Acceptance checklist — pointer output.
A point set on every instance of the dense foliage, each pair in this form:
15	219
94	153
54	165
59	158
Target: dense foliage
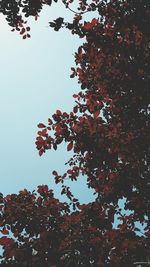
108	133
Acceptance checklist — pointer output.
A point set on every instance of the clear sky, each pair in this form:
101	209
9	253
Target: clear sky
34	83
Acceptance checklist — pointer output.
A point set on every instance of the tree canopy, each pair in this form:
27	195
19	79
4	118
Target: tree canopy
108	132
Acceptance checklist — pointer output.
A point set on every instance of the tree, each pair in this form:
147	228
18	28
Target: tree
108	132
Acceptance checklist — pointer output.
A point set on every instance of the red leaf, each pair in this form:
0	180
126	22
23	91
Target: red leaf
43	132
4	241
94	22
69	171
90	25
42	188
41	152
69	146
75	109
50	122
54	173
58	112
75	96
41	125
22	31
5	232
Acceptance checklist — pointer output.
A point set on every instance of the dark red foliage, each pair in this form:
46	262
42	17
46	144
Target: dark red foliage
108	133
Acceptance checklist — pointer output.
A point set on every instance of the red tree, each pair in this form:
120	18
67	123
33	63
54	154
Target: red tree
108	131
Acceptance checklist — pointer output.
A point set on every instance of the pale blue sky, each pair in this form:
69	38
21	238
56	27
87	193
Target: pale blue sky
34	83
